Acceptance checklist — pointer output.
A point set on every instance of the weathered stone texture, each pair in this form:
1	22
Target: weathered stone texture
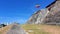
53	17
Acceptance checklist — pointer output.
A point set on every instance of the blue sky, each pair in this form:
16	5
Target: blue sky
19	10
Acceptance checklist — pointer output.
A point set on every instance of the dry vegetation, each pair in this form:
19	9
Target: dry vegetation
42	29
3	30
35	29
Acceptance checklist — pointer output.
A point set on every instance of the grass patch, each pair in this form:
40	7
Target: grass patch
0	33
35	28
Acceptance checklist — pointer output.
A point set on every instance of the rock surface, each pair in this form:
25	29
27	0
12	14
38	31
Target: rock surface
52	15
38	17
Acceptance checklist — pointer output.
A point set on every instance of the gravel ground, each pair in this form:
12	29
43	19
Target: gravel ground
16	29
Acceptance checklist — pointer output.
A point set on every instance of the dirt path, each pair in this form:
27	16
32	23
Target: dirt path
51	29
16	29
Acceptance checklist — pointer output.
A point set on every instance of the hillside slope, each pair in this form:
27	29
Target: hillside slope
54	15
41	29
31	29
50	15
3	30
12	29
38	16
